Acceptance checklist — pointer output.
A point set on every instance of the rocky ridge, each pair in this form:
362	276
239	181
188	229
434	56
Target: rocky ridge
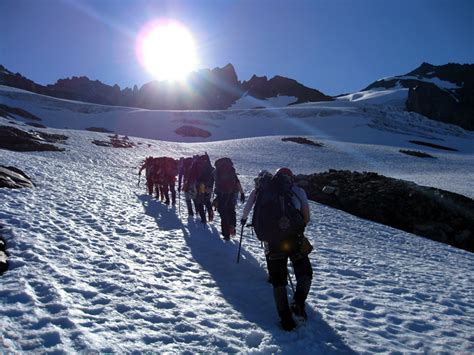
436	214
213	89
444	93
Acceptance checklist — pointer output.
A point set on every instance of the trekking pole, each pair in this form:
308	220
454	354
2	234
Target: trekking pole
240	243
291	282
139	176
179	203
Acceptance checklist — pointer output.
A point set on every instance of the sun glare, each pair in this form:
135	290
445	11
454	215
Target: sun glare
167	50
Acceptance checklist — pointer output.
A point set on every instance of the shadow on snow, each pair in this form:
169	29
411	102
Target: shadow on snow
166	218
244	285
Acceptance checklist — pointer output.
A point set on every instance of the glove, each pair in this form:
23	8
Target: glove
242	197
243	221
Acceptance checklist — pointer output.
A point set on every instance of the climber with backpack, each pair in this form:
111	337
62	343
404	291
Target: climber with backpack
280	214
147	165
185	165
227	189
170	172
165	178
202	178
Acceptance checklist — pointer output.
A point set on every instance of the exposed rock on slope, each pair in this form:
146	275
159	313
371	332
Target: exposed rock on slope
432	213
14	178
15	139
191	131
115	142
444	93
3	255
8	112
262	88
302	140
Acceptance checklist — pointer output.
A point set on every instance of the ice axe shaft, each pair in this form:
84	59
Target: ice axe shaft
240	243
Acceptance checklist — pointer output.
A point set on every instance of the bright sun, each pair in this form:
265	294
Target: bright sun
166	49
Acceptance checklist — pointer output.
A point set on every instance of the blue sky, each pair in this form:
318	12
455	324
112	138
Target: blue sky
335	46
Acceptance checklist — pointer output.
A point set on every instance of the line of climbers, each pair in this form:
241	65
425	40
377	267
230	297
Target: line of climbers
198	180
280	215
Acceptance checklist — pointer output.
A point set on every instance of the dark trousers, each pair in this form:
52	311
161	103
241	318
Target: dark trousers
203	200
189	205
165	189
278	271
149	184
226	209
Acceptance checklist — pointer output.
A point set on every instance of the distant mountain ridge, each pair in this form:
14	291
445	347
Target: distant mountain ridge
206	89
444	93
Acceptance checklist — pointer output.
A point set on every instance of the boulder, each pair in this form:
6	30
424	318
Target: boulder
14	178
429	212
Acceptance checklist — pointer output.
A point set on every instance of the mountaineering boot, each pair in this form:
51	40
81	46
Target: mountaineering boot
303	284
287	322
298	310
281	301
202	213
189	205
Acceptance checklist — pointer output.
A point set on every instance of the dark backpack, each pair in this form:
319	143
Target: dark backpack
226	178
170	167
275	218
201	170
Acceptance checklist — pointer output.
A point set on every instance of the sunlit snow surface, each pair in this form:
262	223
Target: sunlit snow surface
98	265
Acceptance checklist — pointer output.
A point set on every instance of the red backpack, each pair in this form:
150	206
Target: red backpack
170	167
226	178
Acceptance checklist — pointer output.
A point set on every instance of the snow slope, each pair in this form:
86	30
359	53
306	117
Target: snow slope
249	102
340	120
395	97
98	265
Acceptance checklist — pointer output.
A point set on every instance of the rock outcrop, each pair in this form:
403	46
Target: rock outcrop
429	212
443	93
262	88
115	141
15	139
14	178
8	112
3	255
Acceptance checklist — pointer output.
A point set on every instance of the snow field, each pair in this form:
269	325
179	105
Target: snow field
98	265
